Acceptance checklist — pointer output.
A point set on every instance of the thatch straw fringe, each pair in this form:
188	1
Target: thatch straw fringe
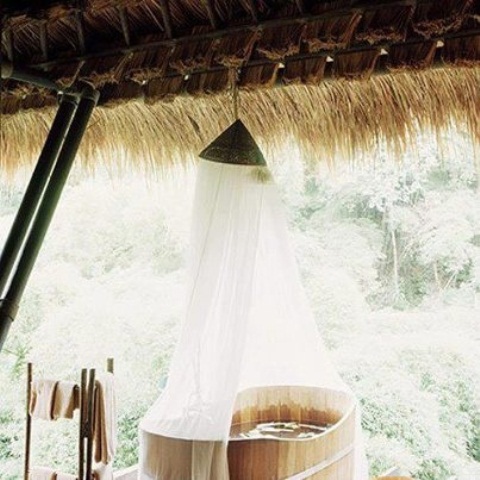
278	43
413	55
330	34
357	64
236	51
309	71
332	119
439	27
388	24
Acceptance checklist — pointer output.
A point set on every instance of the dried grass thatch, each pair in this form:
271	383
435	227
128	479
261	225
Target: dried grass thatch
119	45
333	118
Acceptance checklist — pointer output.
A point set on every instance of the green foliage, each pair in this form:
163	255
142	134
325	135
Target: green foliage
8	437
455	386
473	438
375	246
127	452
10	198
11	418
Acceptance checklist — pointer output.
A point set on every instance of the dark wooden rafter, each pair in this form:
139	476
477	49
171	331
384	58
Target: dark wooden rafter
384	46
224	33
301	6
216	34
80	31
329	53
9	43
43	38
167	18
125	28
252	10
77	71
211	13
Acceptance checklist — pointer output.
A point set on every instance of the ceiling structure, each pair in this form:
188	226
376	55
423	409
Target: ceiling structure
354	73
162	48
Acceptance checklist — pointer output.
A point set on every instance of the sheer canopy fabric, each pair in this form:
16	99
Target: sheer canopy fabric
248	323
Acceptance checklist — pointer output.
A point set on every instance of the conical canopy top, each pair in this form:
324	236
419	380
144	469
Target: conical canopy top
235	145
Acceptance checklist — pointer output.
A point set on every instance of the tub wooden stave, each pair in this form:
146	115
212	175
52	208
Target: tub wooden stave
177	459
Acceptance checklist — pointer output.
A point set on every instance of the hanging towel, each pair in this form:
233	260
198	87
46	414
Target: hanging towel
105	420
66	476
66	400
42	398
42	473
103	472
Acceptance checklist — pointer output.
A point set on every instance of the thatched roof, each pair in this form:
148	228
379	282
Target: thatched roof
165	70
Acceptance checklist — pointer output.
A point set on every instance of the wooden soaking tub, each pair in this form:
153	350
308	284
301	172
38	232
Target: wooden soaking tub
324	456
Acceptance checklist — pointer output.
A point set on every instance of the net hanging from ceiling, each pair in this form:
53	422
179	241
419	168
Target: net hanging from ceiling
249	364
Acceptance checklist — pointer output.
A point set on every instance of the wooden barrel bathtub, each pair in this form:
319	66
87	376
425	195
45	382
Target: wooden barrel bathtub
327	456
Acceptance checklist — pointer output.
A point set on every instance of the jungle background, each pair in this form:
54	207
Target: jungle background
389	252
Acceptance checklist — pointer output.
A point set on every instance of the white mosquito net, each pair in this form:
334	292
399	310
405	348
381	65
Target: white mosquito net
248	323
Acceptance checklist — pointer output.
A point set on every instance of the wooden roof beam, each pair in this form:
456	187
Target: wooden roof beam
224	33
301	6
43	39
382	49
252	10
328	53
211	13
167	18
80	31
124	22
9	43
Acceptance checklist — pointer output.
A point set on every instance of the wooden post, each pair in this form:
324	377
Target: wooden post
396	283
28	430
90	416
110	365
83	424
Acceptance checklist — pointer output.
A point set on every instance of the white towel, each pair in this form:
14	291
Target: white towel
66	476
105	420
42	398
66	400
102	472
42	473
